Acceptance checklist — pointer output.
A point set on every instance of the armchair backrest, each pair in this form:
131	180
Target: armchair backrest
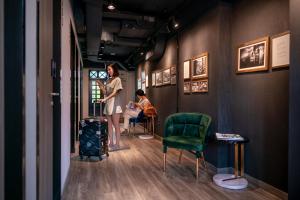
187	124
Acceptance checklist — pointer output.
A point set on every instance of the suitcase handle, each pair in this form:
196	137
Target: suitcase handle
94	109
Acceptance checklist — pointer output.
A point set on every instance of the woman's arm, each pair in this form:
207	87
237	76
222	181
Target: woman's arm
109	96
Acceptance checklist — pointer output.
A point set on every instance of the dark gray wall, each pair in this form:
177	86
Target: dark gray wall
164	98
254	105
260	100
294	125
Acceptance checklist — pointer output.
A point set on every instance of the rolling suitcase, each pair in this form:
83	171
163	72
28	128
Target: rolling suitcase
93	136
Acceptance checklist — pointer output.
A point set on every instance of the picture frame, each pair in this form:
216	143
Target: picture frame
186	70
280	50
147	83
173	79
153	78
199	86
166	73
158	78
173	70
187	87
199	66
143	87
139	83
143	75
253	56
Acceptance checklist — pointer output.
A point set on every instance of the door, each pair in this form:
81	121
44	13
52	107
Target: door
56	68
45	101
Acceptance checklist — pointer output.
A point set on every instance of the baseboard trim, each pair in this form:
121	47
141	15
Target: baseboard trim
265	186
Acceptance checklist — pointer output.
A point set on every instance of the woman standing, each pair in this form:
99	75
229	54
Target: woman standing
112	108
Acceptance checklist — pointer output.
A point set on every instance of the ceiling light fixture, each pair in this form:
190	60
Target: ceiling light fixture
175	23
111	6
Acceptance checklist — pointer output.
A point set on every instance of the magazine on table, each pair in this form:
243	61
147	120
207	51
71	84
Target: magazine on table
228	136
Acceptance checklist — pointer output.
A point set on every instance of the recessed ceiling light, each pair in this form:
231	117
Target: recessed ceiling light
113	53
142	53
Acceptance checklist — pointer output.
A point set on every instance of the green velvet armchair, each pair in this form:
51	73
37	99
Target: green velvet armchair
186	131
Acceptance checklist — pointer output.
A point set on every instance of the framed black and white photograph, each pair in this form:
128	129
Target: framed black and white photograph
173	70
143	74
158	78
153	78
139	83
280	50
186	87
166	76
199	86
147	81
144	87
199	66
186	69
173	79
253	56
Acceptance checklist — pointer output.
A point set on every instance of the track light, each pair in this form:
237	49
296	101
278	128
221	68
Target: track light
175	23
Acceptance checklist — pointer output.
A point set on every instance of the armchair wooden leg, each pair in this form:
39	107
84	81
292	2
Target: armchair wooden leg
197	168
165	161
180	155
203	159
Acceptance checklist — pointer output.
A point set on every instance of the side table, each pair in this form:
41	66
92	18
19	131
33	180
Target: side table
234	181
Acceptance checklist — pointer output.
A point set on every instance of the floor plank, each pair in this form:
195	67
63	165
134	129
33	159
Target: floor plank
136	174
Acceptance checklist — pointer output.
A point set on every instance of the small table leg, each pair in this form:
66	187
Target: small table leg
236	160
242	160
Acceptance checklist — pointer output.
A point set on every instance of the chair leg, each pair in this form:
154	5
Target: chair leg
203	159
180	155
165	161
197	168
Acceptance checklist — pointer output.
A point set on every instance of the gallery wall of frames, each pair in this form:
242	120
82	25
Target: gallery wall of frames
233	64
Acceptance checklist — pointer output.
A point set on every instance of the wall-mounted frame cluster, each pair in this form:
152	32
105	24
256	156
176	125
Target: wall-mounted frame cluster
195	74
165	76
255	56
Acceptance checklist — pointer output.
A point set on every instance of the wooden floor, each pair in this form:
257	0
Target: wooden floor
137	174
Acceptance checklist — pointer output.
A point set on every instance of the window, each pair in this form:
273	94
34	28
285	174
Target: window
95	93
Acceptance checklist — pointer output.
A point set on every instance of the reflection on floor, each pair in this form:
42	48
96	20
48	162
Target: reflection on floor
136	173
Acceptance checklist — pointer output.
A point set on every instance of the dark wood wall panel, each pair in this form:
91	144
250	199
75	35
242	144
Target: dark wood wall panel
13	97
1	100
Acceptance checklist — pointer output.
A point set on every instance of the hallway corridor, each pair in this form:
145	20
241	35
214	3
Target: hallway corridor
137	174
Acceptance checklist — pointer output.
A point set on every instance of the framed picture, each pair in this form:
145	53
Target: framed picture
158	78
186	69
173	80
139	83
173	70
143	74
199	86
144	87
280	50
166	76
199	66
153	78
147	85
253	56
186	87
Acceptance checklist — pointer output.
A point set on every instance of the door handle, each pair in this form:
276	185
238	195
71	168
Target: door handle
54	94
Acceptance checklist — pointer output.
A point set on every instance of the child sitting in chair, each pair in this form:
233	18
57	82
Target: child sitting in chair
133	109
